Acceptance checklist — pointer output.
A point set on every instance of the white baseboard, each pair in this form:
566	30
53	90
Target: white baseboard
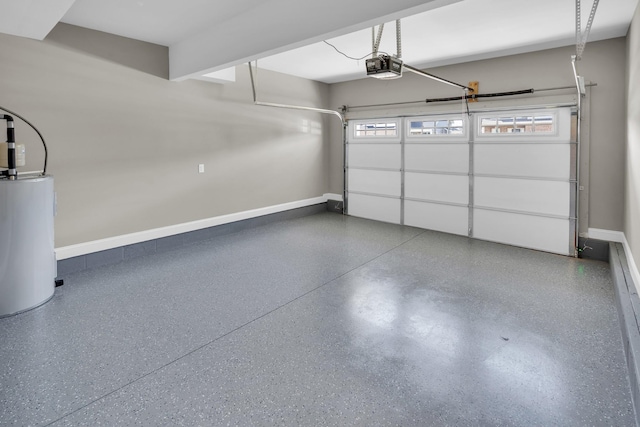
333	196
71	251
607	235
619	237
633	267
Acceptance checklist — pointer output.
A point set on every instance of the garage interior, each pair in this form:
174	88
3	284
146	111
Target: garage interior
252	231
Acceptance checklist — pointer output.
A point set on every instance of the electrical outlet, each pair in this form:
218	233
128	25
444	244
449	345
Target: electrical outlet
201	168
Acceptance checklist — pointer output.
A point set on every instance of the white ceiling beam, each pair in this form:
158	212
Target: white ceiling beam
31	18
230	43
228	75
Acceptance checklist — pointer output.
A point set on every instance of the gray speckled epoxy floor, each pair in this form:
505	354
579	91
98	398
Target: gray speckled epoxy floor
323	320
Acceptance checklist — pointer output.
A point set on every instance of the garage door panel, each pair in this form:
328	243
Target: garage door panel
432	216
543	197
375	182
529	160
437	157
383	209
382	156
535	232
436	187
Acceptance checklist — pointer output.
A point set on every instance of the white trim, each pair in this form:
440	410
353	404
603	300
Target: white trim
561	132
333	196
607	235
437	137
619	237
372	139
79	249
633	268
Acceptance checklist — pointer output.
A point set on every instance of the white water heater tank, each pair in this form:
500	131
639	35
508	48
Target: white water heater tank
27	257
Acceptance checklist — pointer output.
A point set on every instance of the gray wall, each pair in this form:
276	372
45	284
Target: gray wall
632	178
603	146
125	143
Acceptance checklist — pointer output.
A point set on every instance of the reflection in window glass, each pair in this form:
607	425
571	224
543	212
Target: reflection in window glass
518	124
543	124
505	125
453	126
488	125
376	129
523	124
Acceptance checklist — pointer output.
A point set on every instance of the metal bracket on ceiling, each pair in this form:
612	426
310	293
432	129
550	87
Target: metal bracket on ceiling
581	38
377	37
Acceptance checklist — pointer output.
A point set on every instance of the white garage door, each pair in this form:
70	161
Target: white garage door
437	173
507	177
374	175
524	181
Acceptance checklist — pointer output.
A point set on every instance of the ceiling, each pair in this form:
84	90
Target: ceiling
460	32
206	36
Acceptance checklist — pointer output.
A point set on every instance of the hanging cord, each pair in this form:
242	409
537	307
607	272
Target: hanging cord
44	144
581	39
398	40
351	57
375	44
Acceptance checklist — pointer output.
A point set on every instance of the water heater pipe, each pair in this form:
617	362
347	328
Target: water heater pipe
12	173
44	144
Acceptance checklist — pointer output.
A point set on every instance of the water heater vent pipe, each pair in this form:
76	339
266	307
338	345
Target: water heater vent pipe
12	172
44	144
